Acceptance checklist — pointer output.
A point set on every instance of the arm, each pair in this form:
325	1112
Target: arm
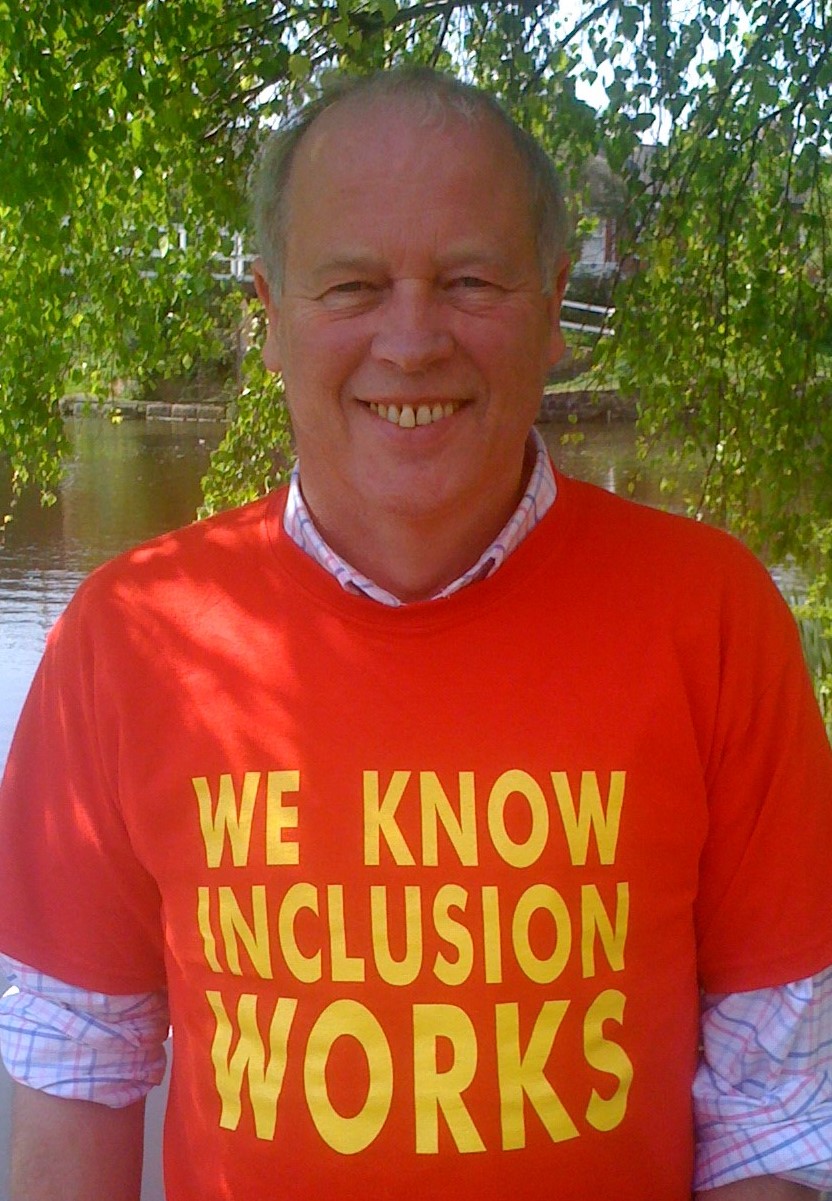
74	1150
64	1040
763	1093
758	1188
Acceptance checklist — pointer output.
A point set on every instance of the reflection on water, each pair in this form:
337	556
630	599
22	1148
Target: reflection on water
605	454
129	482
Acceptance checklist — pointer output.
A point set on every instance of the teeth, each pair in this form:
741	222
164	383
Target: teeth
407	418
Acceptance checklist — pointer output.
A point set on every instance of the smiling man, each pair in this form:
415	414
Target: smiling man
470	825
413	329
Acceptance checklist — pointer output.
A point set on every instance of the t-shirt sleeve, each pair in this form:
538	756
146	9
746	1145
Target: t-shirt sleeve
764	911
75	901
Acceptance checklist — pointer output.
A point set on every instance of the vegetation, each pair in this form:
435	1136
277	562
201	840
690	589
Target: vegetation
119	123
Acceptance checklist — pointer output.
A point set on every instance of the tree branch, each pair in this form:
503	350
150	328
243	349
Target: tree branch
443	33
243	35
560	45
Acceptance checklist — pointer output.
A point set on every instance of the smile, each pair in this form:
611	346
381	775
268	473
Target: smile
407	417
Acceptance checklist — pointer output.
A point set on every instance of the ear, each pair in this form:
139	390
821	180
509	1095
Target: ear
557	345
271	352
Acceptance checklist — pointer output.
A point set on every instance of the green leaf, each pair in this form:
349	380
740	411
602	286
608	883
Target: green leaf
299	67
642	121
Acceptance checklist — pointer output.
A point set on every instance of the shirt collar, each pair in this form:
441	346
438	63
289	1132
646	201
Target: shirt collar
535	502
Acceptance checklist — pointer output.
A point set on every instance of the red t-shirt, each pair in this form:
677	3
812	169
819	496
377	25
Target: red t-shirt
433	889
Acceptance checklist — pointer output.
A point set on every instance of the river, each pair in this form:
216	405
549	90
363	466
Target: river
125	483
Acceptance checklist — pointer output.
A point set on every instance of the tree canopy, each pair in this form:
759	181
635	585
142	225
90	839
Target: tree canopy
122	122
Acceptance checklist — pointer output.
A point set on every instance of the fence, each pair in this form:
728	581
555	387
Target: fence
601	327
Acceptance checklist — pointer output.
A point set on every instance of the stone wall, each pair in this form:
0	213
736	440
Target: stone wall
596	405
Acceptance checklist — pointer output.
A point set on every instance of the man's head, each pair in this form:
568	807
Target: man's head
433	95
413	324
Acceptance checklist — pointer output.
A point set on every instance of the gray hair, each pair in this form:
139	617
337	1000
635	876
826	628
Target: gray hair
439	94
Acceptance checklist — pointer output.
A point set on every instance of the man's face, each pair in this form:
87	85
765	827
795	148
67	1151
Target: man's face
412	332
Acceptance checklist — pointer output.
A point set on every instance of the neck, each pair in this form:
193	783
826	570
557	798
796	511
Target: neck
409	560
415	556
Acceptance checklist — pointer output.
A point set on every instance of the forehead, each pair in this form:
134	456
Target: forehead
398	123
404	169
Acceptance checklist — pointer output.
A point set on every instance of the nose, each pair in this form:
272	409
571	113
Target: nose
412	333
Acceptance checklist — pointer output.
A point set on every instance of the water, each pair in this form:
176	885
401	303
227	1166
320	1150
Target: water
123	484
128	482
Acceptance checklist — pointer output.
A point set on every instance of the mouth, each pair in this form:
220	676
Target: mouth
408	416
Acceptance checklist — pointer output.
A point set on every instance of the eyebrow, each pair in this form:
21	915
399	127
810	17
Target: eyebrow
347	264
366	264
467	255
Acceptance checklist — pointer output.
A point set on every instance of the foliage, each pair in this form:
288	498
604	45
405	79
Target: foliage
722	336
814	615
119	123
252	456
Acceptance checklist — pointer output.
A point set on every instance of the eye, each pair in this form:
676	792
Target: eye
470	281
476	285
350	293
473	291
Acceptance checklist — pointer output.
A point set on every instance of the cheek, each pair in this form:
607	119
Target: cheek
319	370
508	352
325	351
507	330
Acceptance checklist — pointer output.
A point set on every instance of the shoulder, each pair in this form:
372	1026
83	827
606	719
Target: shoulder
653	540
678	572
183	570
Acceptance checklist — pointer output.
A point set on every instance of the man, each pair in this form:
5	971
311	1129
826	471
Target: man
431	792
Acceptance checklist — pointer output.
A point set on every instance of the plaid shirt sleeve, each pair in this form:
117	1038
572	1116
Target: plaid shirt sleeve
762	1096
763	1093
83	1045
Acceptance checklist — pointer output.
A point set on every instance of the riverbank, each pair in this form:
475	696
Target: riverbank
570	405
80	405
